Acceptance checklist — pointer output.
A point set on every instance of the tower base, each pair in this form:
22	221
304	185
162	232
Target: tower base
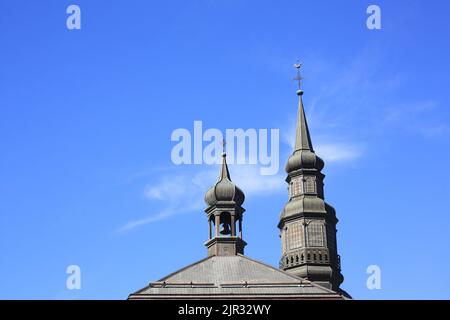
225	246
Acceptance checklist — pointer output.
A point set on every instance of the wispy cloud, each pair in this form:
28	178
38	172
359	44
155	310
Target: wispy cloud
153	218
435	130
364	97
249	179
397	113
175	190
336	152
419	117
326	147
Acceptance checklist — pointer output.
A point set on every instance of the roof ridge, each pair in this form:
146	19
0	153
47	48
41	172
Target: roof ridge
277	273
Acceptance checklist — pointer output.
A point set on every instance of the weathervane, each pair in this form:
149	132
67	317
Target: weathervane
298	77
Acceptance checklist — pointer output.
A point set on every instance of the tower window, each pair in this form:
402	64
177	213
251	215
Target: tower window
311	185
294	236
296	187
315	234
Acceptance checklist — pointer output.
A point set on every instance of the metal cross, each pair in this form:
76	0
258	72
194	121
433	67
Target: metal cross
298	77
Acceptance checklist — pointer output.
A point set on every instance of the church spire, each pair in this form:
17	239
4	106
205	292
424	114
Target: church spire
303	156
302	136
224	173
307	223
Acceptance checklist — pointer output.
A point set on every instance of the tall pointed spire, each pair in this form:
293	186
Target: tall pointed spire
302	136
307	223
224	173
303	155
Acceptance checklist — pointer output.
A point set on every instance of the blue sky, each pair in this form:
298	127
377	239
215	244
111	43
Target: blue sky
86	118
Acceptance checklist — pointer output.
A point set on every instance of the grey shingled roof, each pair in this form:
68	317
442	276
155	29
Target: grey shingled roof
232	277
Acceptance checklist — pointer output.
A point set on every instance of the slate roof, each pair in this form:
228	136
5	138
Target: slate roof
233	277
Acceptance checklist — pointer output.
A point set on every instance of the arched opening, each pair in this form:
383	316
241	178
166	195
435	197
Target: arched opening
225	224
239	221
211	223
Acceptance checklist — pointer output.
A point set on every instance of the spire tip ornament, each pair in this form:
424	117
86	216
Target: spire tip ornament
298	78
224	149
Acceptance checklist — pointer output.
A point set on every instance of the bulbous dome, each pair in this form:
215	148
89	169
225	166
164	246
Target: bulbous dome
224	189
304	159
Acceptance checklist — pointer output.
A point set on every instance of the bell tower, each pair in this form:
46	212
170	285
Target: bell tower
307	223
224	213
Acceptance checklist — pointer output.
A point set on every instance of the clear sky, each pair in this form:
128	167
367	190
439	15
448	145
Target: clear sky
86	116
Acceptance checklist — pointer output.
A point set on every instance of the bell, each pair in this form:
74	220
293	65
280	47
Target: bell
225	229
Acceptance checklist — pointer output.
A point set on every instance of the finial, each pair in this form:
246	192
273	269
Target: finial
298	78
223	143
224	173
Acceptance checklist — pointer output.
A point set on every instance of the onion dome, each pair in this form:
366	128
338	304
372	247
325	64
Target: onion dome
224	189
304	160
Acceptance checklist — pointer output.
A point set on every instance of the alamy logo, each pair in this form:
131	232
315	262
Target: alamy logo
74	20
74	279
374	279
373	22
249	146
